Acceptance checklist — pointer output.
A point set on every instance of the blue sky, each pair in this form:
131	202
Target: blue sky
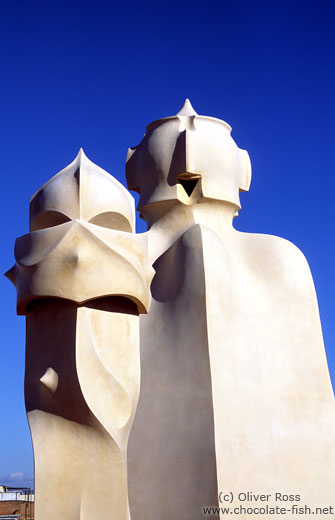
93	74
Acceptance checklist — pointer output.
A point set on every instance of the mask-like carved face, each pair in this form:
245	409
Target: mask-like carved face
81	245
187	158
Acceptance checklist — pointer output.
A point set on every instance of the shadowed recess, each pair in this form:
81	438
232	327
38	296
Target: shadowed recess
119	304
164	287
112	220
188	185
48	219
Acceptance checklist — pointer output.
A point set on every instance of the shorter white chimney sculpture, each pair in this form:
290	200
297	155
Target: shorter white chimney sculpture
236	407
82	278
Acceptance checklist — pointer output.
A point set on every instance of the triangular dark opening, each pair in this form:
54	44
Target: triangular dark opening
188	185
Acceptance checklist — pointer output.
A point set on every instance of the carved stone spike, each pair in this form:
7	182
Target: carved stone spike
50	379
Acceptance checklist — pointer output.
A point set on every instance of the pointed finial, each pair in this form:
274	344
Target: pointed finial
50	379
11	275
81	154
187	109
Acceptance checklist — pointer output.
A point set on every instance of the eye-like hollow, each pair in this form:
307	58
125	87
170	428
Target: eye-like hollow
112	220
48	219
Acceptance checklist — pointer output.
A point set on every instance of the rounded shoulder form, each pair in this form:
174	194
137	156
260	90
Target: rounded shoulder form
274	256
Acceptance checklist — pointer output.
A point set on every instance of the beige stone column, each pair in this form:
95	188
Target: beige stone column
82	279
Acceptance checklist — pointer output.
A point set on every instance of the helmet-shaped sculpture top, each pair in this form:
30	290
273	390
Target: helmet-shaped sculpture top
188	157
84	191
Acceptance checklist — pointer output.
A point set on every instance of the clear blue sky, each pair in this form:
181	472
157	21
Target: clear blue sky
93	74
